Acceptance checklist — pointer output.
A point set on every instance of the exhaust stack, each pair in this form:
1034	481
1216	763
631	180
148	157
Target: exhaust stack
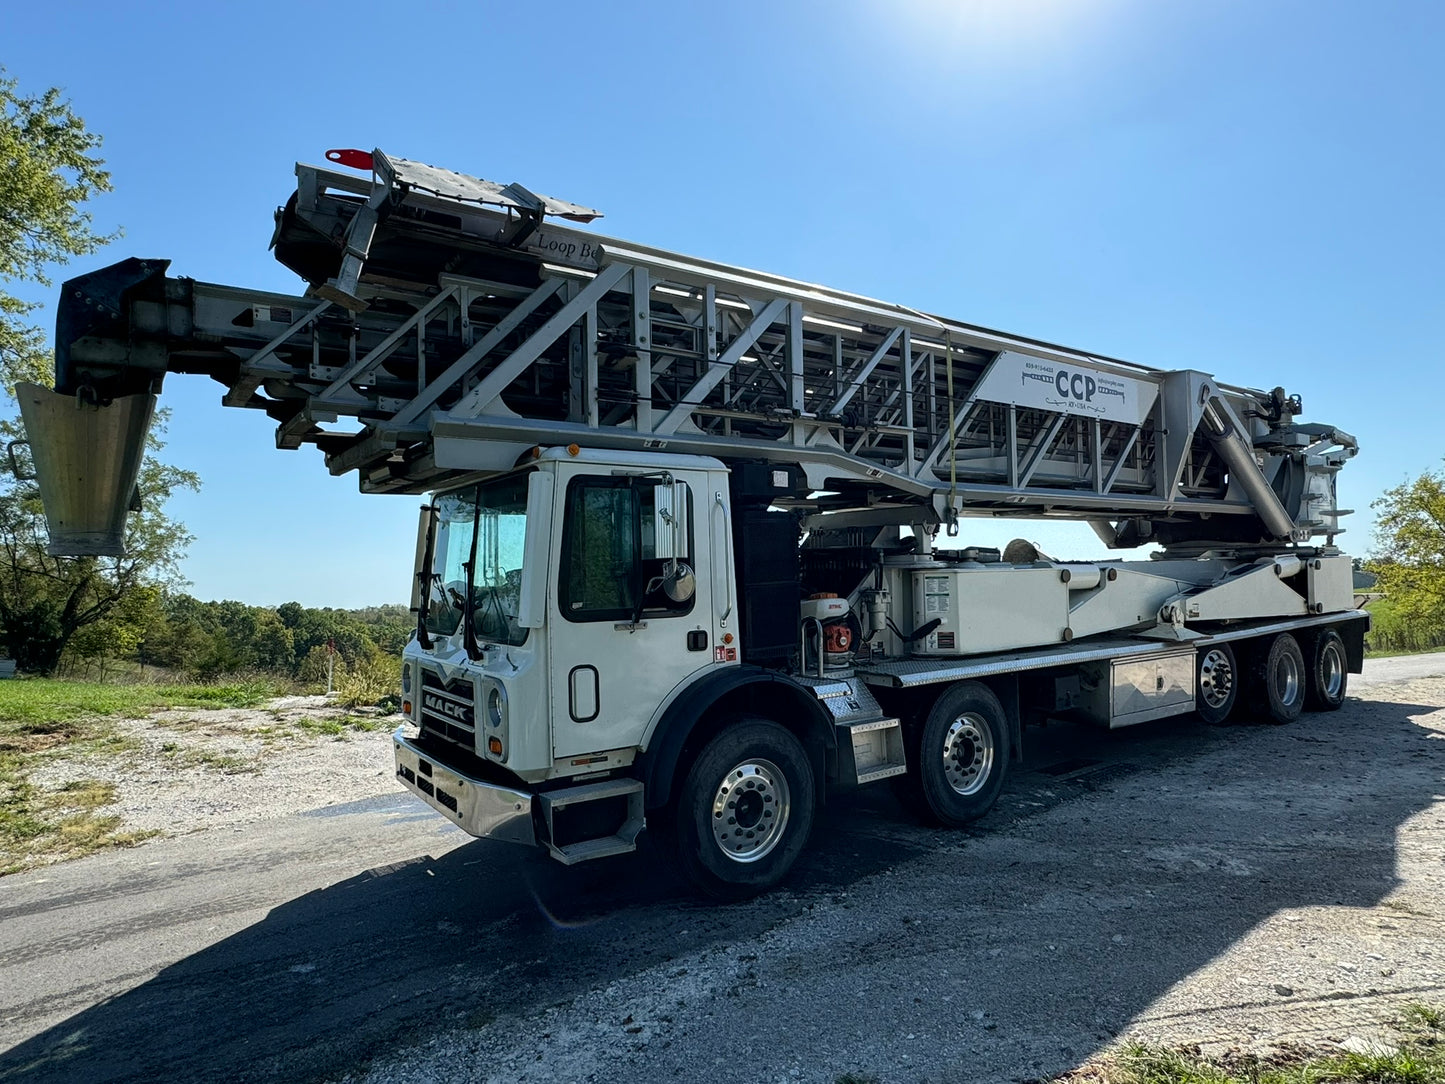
87	459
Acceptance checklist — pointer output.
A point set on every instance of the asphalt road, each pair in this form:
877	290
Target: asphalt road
309	947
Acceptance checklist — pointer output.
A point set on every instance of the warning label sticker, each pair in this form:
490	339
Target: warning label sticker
935	594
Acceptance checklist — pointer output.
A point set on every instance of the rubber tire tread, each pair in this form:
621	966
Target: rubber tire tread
925	790
709	870
1316	699
1265	700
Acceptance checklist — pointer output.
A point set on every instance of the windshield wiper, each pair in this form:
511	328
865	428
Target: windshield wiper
469	633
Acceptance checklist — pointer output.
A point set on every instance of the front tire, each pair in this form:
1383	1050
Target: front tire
1279	680
1329	673
959	757
745	809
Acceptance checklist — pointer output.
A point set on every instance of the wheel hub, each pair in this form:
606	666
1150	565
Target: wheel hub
1334	671
1216	679
1286	680
750	810
968	753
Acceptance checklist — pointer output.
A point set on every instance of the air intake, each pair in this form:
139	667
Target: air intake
87	459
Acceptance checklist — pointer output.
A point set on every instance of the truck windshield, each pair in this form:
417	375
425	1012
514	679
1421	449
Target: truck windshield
495	513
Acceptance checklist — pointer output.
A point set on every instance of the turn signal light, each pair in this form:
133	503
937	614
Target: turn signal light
494	746
406	707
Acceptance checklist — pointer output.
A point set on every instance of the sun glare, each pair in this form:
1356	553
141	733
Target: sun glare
999	33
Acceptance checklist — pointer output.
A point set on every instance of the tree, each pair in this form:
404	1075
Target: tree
1409	558
44	600
48	172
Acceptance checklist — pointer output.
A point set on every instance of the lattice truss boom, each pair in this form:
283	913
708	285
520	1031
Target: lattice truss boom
433	314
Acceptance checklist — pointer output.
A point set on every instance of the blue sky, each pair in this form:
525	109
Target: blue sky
1247	188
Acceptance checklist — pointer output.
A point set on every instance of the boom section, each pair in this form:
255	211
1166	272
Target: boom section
451	323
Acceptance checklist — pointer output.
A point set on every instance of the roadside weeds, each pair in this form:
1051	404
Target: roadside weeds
60	739
1417	1058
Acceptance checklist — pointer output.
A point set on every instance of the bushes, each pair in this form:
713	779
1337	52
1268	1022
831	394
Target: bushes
1391	631
217	642
369	682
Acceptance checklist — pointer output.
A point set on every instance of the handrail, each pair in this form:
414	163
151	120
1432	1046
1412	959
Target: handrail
720	504
803	645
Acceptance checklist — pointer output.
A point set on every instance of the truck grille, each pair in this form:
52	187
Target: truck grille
448	710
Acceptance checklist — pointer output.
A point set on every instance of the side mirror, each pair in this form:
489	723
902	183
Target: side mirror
421	577
678	582
669	521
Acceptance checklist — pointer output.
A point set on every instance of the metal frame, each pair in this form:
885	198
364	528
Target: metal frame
550	334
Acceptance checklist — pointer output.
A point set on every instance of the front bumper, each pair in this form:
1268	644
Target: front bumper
485	810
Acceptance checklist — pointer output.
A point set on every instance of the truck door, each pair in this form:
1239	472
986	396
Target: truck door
620	643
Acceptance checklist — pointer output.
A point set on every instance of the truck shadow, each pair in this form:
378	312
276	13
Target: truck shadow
338	976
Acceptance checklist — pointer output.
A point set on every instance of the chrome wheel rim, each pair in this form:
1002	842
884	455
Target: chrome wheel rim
968	753
1334	671
1286	679
1216	678
750	810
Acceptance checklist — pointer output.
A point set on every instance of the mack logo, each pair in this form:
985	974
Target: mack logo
448	709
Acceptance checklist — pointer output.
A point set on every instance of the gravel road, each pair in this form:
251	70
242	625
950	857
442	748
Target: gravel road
1176	883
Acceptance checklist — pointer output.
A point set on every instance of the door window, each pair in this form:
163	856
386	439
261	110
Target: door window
609	570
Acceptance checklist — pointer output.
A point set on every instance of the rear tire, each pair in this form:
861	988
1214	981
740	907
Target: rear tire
958	759
1216	686
1279	680
1329	673
745	809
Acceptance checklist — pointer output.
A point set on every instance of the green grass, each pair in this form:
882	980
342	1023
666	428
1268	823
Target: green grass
43	719
339	727
180	756
1391	634
1418	1058
1371	654
47	701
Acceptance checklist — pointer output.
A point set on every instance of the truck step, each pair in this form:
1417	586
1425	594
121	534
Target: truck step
870	749
577	845
586	850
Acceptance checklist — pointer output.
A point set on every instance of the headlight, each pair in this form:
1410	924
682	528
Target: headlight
406	678
494	706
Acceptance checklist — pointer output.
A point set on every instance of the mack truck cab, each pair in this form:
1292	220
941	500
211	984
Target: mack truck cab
577	670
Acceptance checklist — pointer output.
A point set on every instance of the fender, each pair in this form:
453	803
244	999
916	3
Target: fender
788	703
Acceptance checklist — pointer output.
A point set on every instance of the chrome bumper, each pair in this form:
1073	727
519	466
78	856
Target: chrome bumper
481	809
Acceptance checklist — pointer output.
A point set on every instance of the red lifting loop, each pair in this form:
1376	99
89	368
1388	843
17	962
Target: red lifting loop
353	158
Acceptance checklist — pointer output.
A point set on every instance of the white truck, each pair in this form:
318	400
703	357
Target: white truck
680	566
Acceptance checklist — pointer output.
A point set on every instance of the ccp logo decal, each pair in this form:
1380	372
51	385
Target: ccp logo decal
1075	386
1073	389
